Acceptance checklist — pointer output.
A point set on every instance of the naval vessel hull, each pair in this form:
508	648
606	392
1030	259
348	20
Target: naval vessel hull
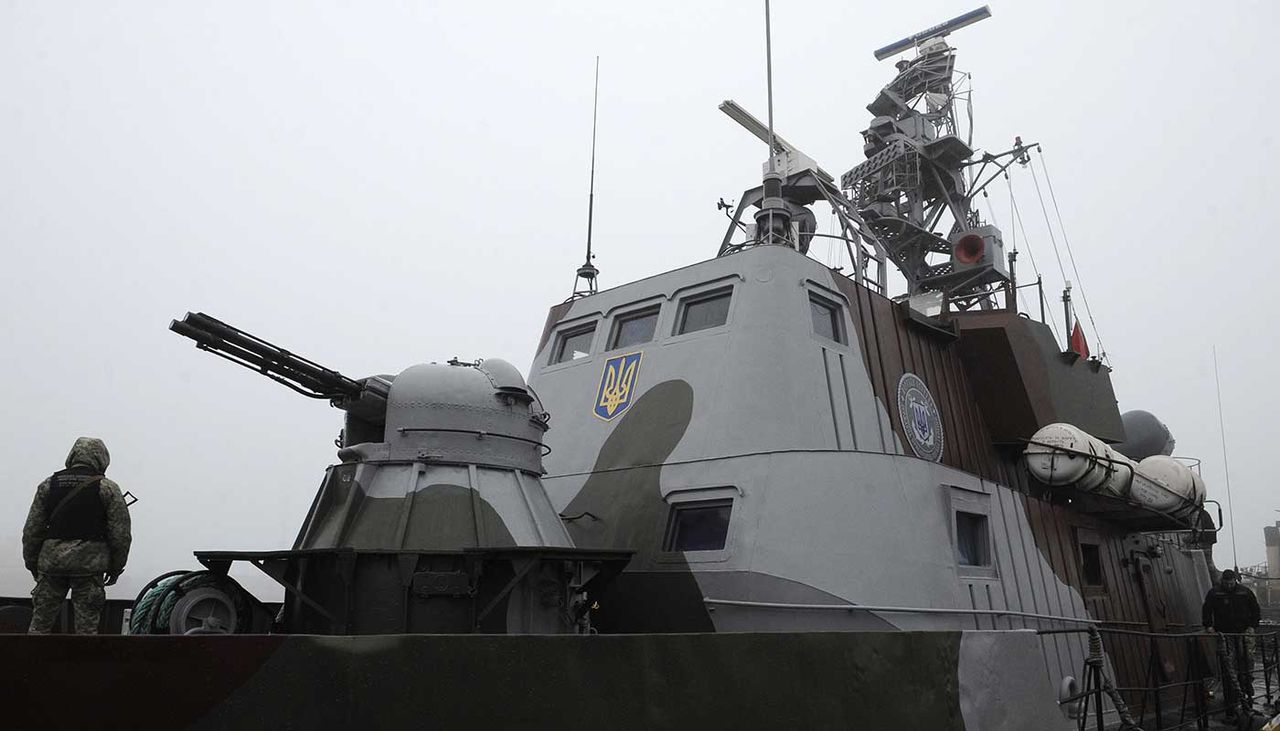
862	680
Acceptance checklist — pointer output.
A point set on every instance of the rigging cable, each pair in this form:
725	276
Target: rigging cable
1043	209
1226	469
992	210
833	255
1017	215
1072	257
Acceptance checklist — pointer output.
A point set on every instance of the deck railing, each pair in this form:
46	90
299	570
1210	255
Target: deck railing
1183	701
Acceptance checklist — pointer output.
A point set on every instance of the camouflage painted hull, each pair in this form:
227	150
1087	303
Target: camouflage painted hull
864	680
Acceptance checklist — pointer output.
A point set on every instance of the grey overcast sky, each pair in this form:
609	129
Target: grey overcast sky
378	184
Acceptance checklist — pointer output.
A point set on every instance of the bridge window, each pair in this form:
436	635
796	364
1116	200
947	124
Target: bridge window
973	541
574	344
698	526
826	318
704	311
634	328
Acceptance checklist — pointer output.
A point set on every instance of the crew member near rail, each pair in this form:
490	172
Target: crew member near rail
76	537
1232	609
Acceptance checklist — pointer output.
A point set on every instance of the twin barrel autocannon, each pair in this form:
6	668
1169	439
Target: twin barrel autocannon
435	520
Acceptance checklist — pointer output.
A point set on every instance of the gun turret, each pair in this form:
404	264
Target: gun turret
364	400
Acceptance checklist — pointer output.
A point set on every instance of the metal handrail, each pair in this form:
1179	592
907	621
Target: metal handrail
1194	711
905	610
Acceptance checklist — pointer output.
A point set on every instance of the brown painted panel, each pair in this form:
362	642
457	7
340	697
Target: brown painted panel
870	346
1046	531
970	434
891	358
916	361
1039	581
956	373
925	363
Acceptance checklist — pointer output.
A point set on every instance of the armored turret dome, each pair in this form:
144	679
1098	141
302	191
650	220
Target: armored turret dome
479	413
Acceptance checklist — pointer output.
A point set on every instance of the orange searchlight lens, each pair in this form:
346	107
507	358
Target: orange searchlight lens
969	249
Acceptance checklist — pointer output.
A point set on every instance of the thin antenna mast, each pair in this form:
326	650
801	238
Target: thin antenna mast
1222	432
773	221
585	284
768	70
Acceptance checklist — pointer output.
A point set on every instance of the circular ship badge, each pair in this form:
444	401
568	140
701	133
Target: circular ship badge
920	418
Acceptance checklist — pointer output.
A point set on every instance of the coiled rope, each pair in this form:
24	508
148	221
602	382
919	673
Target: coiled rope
153	608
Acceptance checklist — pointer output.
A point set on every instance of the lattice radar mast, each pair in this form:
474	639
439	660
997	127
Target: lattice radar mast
916	189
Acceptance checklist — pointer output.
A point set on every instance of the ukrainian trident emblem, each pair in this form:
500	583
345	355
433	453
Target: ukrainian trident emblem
617	385
920	423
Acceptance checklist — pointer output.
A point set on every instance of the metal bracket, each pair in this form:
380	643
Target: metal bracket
292	589
493	603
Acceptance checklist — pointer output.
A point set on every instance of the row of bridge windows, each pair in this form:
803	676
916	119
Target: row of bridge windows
697	312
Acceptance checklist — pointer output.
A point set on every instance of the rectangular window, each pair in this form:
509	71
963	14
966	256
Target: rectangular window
826	318
634	328
698	526
704	311
973	544
574	344
1091	564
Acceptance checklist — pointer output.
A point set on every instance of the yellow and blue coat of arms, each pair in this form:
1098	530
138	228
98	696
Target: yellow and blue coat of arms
617	385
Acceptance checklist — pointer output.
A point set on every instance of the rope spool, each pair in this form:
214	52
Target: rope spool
191	602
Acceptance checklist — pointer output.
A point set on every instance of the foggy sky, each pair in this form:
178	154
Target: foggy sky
377	184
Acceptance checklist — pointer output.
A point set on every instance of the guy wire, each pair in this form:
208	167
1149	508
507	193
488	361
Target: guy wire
1071	256
1045	210
1026	243
1226	469
991	209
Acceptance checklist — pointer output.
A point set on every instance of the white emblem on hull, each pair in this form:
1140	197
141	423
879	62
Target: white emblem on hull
920	418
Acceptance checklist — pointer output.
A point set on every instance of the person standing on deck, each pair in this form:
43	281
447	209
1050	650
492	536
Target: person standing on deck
76	537
1232	609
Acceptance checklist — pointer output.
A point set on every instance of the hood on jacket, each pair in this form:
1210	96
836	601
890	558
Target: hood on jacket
89	452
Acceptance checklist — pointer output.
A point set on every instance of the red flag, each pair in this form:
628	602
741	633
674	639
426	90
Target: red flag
1078	342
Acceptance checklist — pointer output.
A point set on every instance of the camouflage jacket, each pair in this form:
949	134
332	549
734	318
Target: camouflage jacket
79	557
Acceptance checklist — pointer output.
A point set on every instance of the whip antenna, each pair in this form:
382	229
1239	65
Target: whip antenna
585	283
773	220
1226	470
768	72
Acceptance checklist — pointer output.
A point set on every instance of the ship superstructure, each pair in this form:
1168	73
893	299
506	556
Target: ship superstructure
787	448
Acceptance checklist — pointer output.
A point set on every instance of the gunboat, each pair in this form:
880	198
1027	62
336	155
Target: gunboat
877	511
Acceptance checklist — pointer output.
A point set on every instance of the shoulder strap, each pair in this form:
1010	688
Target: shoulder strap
95	480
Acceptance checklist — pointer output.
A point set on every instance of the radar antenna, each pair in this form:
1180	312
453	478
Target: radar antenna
585	283
792	182
937	31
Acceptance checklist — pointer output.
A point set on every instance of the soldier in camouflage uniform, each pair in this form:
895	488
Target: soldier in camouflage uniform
76	537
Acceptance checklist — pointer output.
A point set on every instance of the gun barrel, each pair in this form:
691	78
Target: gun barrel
304	376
